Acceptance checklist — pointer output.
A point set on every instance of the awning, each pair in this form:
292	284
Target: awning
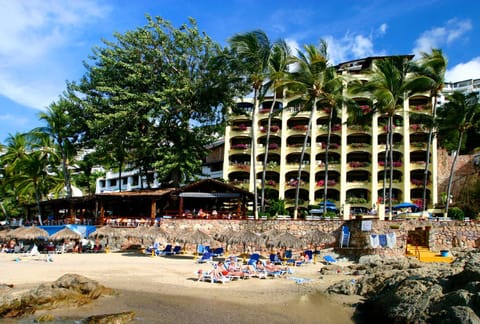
209	195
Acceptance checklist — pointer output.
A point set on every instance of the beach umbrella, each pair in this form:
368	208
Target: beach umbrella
29	233
317	237
106	231
405	204
225	236
197	237
154	233
285	240
66	234
5	233
245	237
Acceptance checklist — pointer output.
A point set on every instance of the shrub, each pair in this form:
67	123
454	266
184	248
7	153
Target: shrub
456	213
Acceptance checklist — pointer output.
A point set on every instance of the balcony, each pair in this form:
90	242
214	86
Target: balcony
293	184
240	147
274	129
239	167
358	164
421	108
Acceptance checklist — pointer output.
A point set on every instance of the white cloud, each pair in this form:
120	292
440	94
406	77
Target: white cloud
350	47
33	35
440	36
464	71
382	29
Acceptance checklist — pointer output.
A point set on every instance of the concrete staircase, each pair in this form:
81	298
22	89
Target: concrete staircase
423	254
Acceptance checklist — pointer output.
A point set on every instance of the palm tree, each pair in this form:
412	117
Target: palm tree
253	50
431	69
314	84
390	85
58	128
277	67
459	114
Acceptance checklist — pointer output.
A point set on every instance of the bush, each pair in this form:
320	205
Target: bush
456	213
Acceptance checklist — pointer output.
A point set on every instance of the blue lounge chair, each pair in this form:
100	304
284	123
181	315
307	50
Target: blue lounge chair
200	249
218	252
166	250
329	259
206	257
275	259
309	254
253	259
176	250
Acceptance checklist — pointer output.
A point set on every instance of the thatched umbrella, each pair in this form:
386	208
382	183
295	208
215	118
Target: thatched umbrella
317	237
225	237
154	233
29	233
66	234
246	237
105	231
5	233
285	240
197	237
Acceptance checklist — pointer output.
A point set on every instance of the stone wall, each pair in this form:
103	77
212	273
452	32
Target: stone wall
438	235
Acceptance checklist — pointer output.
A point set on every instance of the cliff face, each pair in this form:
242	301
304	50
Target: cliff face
464	171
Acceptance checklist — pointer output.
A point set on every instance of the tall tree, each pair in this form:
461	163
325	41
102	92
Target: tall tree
314	84
277	68
58	127
431	69
154	97
456	117
390	83
253	50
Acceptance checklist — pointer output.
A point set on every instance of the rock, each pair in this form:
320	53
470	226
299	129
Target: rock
68	290
457	314
118	318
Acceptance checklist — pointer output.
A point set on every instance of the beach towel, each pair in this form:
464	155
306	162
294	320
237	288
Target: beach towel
382	238
391	240
374	241
299	280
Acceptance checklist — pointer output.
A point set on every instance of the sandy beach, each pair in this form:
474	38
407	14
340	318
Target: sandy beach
165	290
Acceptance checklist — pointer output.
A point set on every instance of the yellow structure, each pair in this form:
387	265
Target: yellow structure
356	153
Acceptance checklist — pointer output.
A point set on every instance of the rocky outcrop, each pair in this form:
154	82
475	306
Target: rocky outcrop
402	290
68	290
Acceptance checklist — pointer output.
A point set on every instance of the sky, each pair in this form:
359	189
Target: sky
43	43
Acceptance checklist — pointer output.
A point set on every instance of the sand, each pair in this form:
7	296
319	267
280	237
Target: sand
165	290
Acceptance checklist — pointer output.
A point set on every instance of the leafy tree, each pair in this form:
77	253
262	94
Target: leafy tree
315	84
154	97
253	51
456	117
390	83
431	69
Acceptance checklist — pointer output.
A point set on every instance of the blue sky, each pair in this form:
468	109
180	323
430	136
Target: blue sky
44	42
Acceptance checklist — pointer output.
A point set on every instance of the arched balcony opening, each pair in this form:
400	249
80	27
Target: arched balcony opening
420	104
418	140
239	159
359	138
266	105
397	196
397	176
294	158
335	141
241	125
416	195
243	107
240	143
298	124
359	159
239	178
290	196
275	125
397	139
291	179
397	159
273	160
333	178
274	142
333	158
383	122
358	176
417	177
322	124
419	157
358	196
297	141
332	195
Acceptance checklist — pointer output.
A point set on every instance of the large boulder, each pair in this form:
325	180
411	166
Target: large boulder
68	290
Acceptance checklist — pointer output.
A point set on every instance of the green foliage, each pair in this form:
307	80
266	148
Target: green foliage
456	213
277	207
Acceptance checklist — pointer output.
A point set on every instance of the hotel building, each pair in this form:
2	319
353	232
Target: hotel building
356	152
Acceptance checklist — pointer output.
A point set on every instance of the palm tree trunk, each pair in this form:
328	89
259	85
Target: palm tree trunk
302	154
325	178
427	161
390	185
253	158
385	163
267	143
452	173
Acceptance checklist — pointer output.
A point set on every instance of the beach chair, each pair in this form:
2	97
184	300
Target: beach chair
218	252
345	237
308	256
275	259
166	250
329	259
206	257
176	250
289	260
253	259
200	249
